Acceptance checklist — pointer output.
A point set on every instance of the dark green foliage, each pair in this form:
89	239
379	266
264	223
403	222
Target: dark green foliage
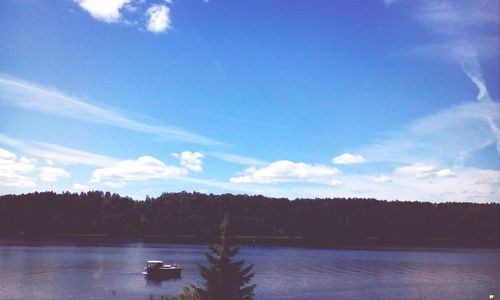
224	278
188	293
316	221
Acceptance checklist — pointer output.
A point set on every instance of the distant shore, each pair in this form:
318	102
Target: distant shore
284	241
255	220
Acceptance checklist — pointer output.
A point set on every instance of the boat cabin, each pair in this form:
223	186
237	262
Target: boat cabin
154	264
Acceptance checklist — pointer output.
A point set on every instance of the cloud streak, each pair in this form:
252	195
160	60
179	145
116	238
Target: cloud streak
53	152
31	96
450	136
237	159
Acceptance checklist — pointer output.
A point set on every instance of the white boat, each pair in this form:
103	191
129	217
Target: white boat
156	269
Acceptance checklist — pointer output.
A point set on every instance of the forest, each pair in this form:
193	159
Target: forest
194	217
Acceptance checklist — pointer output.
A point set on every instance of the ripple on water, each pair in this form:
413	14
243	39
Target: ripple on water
34	270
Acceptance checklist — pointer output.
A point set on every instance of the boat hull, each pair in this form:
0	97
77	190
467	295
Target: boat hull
163	273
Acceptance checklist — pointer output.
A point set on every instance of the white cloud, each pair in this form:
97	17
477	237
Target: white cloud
335	182
30	96
130	12
52	174
459	185
287	171
103	10
488	178
190	160
13	171
79	187
419	170
469	184
445	173
53	152
424	170
6	155
348	158
142	169
159	18
382	179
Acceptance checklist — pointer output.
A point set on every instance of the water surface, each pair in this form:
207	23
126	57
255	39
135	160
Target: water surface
108	270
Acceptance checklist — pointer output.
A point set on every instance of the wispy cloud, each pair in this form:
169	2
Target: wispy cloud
53	152
449	136
465	29
31	96
457	18
237	159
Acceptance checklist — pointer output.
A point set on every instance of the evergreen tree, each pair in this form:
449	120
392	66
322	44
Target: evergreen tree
225	279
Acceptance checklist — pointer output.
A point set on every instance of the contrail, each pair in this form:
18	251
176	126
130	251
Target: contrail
459	24
472	69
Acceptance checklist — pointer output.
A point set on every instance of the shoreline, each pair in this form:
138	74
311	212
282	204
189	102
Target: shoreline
368	242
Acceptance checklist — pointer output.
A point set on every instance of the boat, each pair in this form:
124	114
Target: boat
157	270
492	296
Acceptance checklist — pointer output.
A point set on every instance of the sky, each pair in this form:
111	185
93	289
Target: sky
394	99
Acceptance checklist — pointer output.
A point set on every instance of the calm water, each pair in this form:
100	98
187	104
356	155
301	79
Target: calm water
84	270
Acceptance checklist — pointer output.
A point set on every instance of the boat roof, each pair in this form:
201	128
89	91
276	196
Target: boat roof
155	261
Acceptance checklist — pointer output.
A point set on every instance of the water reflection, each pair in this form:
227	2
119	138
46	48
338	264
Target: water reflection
39	270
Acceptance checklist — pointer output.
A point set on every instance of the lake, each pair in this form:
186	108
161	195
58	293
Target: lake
55	269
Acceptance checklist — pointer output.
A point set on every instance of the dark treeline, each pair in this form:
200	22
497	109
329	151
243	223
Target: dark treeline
335	221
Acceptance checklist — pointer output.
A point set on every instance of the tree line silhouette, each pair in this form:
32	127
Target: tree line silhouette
195	216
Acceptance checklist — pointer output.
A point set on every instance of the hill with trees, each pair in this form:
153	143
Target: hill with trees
195	217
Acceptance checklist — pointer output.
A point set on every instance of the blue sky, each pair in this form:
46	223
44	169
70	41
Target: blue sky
391	99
